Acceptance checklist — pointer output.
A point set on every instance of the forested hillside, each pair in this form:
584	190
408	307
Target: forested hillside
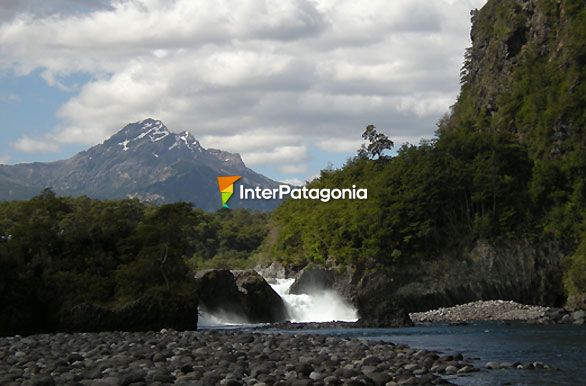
508	161
59	253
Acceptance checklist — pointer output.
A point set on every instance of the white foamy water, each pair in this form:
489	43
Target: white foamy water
206	319
321	306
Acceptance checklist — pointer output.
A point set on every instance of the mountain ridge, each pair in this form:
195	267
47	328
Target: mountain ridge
143	160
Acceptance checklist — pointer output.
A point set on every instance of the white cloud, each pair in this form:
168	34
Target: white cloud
264	78
294	169
4	159
251	140
32	145
279	155
339	145
294	181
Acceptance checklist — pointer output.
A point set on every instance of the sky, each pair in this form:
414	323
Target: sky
288	84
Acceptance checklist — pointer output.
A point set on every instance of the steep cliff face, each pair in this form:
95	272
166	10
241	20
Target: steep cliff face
523	271
525	74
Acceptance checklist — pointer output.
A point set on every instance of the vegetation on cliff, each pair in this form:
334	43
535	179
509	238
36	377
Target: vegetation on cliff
507	162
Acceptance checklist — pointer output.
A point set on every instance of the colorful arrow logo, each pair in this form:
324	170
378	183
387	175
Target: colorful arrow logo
226	184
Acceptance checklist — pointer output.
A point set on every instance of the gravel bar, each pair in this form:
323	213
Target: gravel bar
218	357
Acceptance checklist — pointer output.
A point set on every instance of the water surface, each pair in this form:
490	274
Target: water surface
559	346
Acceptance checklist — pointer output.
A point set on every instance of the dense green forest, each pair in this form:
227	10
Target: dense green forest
67	251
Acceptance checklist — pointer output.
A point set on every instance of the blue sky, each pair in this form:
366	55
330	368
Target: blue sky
290	85
28	106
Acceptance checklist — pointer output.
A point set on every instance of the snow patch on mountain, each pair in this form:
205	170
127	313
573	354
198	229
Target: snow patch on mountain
124	145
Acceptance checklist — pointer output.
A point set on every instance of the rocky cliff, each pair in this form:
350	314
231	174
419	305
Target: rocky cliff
520	271
524	74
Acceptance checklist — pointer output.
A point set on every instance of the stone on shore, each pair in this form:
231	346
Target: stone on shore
244	294
210	357
481	310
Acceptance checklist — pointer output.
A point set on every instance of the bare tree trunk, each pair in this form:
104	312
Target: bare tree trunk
494	177
163	261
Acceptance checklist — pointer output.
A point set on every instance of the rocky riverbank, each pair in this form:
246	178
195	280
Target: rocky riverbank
501	310
207	358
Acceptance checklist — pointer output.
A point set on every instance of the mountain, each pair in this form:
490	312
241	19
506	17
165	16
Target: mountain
143	160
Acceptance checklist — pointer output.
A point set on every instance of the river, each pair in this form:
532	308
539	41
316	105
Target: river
560	346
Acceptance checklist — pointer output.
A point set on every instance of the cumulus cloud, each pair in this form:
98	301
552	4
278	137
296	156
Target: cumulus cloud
264	78
10	8
278	155
32	145
294	168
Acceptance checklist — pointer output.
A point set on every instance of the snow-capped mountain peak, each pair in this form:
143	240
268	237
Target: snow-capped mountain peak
148	161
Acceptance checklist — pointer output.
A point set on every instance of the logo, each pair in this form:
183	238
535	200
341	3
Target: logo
226	185
303	193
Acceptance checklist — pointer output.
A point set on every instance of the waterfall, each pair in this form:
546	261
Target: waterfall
320	306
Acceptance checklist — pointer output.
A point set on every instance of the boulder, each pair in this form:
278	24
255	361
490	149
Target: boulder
217	291
260	302
313	278
275	270
245	294
375	302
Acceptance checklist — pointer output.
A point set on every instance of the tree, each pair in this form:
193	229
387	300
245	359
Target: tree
378	143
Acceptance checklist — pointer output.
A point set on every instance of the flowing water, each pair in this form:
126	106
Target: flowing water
562	347
322	306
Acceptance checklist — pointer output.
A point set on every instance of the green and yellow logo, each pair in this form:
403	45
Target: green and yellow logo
226	185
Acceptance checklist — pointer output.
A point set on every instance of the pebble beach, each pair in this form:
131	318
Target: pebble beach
214	357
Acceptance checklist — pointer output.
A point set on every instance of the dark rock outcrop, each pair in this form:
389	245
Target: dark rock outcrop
561	316
314	278
260	302
521	271
217	291
376	304
242	293
148	313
